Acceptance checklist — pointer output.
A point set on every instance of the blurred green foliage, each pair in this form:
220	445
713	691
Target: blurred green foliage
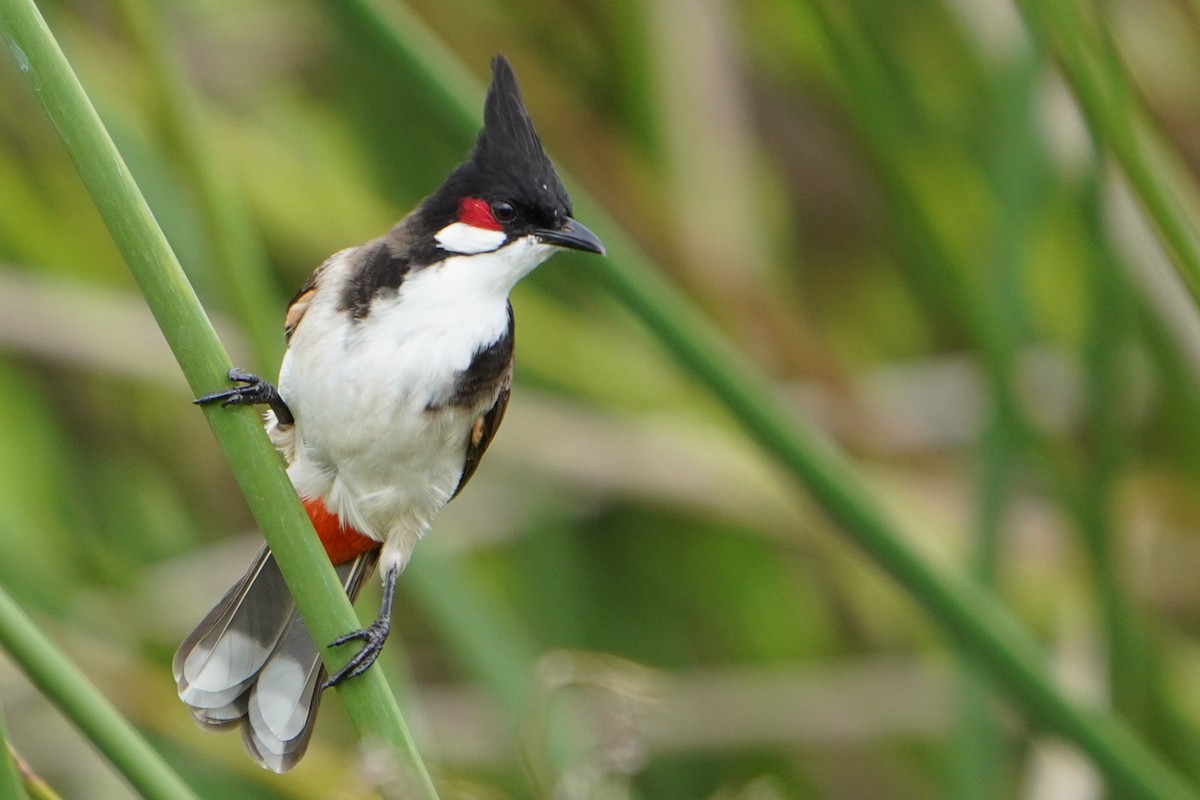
894	208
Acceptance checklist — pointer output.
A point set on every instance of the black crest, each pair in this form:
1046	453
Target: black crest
509	149
507	163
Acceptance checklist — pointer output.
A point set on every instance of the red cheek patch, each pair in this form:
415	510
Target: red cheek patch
477	213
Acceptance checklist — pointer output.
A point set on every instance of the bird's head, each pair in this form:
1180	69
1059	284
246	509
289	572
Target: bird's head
507	191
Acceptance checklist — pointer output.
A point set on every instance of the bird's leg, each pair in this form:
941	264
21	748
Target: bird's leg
253	390
373	636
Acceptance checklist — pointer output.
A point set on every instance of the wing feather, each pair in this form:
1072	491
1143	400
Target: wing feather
482	433
303	298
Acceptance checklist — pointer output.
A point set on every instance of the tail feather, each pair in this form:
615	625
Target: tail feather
252	660
229	646
283	703
219	719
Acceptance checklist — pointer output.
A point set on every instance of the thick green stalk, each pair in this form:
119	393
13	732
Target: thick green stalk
69	689
255	465
977	623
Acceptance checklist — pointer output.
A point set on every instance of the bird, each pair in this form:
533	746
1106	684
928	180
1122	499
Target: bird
395	379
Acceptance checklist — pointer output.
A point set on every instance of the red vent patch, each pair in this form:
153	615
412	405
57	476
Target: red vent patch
342	543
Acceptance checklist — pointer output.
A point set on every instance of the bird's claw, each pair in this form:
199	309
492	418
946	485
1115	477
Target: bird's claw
373	636
253	390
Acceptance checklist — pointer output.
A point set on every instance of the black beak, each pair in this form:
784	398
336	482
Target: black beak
572	235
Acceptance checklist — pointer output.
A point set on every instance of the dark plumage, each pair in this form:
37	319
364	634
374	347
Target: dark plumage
382	269
491	367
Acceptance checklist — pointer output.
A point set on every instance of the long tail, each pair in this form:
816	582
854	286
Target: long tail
253	661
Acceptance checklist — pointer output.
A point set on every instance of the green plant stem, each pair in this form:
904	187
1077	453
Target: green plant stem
38	789
983	744
1117	119
1134	667
883	102
11	784
71	691
1120	125
256	467
978	769
35	786
979	626
502	652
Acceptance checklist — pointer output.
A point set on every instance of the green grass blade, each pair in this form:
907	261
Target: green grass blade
1135	668
70	690
11	784
256	466
1118	120
984	746
501	653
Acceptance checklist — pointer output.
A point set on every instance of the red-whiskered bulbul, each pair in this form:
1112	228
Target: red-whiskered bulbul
395	380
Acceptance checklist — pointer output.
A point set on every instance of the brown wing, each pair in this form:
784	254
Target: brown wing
482	433
301	300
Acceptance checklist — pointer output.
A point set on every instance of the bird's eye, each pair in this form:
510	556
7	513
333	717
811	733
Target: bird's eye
503	211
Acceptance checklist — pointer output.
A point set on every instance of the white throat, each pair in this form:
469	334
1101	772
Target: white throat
466	279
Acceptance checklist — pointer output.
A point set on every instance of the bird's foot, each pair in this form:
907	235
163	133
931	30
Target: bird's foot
373	636
253	390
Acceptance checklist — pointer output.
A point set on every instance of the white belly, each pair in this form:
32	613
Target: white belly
373	435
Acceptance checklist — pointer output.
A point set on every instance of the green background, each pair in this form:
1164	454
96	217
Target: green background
892	209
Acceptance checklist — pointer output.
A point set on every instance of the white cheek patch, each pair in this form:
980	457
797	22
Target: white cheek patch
459	237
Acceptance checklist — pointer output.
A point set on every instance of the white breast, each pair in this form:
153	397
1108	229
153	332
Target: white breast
372	436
